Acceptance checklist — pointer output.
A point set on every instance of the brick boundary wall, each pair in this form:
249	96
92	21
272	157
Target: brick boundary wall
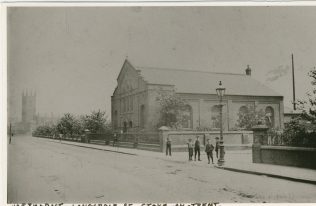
232	139
284	155
280	155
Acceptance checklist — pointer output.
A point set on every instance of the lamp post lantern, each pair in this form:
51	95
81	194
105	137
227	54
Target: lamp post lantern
221	92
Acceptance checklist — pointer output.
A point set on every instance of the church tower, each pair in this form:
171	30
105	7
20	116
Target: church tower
28	107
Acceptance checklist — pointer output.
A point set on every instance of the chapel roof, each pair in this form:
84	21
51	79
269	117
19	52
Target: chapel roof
203	82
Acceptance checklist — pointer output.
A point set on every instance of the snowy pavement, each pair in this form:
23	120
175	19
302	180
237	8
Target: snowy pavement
40	170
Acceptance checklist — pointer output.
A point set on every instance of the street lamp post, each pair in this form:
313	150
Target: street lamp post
221	92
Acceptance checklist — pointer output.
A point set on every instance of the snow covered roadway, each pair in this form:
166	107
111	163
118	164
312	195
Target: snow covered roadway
43	171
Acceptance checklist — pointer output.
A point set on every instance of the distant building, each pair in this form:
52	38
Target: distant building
134	105
28	114
46	119
28	107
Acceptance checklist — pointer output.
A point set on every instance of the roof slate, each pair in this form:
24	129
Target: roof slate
203	82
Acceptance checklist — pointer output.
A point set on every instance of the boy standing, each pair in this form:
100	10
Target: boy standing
190	149
197	149
209	151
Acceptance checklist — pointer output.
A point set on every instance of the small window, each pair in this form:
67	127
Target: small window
215	116
187	117
115	119
270	116
125	127
131	103
142	116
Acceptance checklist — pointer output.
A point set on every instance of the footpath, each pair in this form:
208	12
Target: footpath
236	161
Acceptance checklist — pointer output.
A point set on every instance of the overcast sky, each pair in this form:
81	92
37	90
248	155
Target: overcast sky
72	56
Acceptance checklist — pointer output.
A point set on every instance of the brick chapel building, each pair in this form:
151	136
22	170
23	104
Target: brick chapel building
135	108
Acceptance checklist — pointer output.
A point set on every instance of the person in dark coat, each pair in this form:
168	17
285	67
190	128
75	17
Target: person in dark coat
209	151
115	139
217	146
168	147
197	149
190	149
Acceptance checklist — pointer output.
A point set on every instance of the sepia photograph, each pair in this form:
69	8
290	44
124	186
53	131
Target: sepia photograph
164	104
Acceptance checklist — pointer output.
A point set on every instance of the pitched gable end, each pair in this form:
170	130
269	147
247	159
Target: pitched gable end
125	66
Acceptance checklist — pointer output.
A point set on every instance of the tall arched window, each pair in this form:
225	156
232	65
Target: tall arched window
215	112
115	119
124	104
125	126
131	103
142	116
187	117
243	110
242	120
127	103
269	116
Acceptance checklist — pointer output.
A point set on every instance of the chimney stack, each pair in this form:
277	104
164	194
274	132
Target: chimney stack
248	71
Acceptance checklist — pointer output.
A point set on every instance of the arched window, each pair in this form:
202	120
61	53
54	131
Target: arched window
269	116
115	119
242	119
142	116
243	110
215	112
127	103
125	127
187	117
124	105
130	124
131	103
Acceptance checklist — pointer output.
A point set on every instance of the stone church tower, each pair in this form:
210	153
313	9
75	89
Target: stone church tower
28	107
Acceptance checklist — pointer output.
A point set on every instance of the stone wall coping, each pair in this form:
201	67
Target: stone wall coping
208	132
202	145
288	148
260	127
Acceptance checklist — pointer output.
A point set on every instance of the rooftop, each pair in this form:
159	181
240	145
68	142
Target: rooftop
204	82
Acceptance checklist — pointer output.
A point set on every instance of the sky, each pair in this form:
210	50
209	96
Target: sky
71	56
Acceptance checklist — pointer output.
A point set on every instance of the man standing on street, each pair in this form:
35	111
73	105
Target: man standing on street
114	139
209	151
168	147
190	149
197	149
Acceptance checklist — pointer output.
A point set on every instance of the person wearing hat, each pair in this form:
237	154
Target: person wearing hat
197	149
190	149
217	146
209	151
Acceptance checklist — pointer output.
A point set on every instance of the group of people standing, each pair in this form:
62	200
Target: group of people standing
196	147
